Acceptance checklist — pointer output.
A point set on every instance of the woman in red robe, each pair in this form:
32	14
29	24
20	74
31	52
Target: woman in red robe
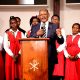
12	48
72	53
58	72
1	60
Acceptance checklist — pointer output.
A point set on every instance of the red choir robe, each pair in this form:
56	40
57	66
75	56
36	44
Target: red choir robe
72	68
12	69
59	68
1	67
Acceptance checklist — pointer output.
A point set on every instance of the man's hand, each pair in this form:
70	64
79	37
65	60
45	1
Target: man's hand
58	32
40	32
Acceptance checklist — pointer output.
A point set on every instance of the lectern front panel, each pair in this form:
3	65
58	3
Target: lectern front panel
34	60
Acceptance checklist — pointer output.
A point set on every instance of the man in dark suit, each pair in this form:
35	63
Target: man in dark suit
53	33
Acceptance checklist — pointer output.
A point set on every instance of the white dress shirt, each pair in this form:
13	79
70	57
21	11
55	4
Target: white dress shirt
62	46
6	42
46	25
1	42
65	51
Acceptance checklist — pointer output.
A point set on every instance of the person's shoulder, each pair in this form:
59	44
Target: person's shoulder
68	35
7	30
20	29
54	26
50	23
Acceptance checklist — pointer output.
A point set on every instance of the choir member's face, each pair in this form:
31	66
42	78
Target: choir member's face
75	29
35	21
13	24
55	20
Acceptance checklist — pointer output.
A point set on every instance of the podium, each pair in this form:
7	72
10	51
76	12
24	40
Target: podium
34	58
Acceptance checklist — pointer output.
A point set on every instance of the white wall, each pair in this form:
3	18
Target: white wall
23	12
69	14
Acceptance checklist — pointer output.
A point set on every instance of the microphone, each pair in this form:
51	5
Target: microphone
44	29
43	26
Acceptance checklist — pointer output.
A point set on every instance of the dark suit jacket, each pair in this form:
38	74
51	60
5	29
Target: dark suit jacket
52	56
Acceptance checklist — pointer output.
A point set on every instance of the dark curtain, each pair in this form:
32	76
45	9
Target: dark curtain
56	7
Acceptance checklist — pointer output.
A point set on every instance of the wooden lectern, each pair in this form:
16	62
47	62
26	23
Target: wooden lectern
34	58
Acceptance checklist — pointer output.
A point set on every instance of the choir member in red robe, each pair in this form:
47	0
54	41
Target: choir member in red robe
1	60
12	48
72	54
58	73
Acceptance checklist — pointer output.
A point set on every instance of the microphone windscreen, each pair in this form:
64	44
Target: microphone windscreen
41	27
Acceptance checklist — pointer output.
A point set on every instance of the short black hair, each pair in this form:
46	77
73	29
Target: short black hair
33	17
18	18
76	24
56	16
12	17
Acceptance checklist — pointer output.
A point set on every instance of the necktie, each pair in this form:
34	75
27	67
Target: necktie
44	29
